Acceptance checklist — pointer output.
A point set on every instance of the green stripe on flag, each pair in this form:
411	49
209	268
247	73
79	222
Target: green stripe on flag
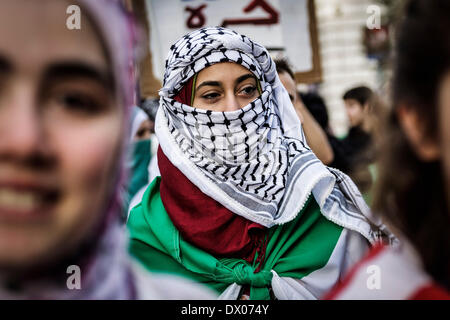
294	249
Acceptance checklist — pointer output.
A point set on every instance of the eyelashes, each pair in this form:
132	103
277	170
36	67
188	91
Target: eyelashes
76	102
79	102
246	92
210	96
250	90
84	99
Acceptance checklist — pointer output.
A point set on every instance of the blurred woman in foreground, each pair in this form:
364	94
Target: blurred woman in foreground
64	100
413	192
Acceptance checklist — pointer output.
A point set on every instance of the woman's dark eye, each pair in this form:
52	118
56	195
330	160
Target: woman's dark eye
249	90
211	95
143	132
79	102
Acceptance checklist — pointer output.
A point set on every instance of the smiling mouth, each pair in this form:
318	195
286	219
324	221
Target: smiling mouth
20	203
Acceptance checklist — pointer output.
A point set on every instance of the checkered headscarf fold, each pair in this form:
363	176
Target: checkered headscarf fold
254	161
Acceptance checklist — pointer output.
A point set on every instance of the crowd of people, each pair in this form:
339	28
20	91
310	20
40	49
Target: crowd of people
230	185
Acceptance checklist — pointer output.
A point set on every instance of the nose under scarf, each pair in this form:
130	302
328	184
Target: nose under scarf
202	220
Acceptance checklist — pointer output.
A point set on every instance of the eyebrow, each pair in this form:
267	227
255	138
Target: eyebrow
219	84
245	77
71	69
209	83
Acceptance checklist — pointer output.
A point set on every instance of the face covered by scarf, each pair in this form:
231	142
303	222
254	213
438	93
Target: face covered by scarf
102	258
140	155
254	161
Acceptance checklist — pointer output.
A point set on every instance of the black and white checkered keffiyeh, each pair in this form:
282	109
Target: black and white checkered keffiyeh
254	161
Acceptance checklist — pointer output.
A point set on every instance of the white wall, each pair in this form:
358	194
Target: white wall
344	63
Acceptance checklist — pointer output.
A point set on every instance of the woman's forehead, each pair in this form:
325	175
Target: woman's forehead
223	71
41	36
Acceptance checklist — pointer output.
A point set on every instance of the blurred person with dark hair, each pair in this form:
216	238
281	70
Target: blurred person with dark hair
315	136
64	106
357	104
150	106
316	106
413	190
142	127
358	144
345	155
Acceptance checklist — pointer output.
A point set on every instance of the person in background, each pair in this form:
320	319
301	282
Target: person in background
242	204
142	127
64	106
363	173
359	144
313	113
139	153
359	138
413	191
142	162
316	106
315	136
150	106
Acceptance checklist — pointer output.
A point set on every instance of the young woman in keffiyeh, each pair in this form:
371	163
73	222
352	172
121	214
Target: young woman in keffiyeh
242	204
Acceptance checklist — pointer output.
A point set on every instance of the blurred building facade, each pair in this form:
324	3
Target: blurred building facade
344	59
